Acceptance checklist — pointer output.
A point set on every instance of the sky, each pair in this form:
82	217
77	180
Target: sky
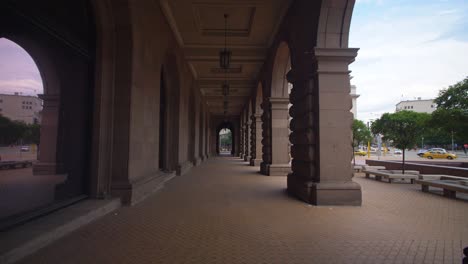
408	49
18	72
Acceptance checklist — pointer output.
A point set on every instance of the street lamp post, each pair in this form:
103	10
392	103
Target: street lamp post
452	143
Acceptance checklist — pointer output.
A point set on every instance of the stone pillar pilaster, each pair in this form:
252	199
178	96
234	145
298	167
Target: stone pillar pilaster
256	152
275	137
266	137
241	140
247	140
321	130
279	165
47	155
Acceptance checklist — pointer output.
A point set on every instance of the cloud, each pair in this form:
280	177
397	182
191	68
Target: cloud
405	50
24	86
18	72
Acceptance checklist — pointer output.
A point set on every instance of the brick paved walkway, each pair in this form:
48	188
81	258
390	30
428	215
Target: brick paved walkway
225	212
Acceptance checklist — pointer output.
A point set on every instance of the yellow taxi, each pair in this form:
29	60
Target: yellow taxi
437	154
360	152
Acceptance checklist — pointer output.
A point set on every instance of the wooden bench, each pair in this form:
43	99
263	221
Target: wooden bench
450	187
390	175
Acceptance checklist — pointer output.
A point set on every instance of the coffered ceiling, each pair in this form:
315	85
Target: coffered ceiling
199	29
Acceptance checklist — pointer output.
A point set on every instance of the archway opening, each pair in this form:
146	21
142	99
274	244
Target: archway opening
21	145
225	141
162	123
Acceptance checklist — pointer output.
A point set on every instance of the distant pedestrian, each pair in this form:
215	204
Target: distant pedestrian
465	148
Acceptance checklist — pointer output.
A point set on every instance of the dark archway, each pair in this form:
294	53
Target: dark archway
162	123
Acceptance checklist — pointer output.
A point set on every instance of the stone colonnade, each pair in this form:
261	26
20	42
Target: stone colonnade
131	99
320	129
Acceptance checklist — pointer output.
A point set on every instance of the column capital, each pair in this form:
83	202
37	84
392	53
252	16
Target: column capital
279	103
50	99
334	60
340	54
278	100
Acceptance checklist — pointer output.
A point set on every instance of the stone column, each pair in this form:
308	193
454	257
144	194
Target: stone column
241	138
47	155
256	151
279	165
321	128
247	140
279	137
266	137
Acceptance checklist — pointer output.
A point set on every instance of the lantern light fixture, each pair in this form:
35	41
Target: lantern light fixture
225	54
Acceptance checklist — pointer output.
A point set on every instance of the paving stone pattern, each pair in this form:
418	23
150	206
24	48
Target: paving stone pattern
225	212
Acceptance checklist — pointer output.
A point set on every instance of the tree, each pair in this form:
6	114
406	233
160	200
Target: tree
404	128
451	115
225	139
360	134
454	97
12	132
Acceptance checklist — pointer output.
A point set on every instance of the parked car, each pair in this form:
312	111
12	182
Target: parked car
437	149
24	149
421	152
360	152
397	151
439	155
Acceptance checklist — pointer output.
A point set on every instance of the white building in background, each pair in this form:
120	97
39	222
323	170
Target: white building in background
418	105
354	98
18	107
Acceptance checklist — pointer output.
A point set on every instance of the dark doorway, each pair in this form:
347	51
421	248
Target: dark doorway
162	122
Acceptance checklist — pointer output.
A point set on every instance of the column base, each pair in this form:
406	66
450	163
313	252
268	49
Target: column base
275	169
263	168
255	162
325	193
184	168
197	161
133	192
247	158
241	156
42	168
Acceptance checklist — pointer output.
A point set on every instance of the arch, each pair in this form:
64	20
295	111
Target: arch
66	62
281	66
334	23
258	99
228	125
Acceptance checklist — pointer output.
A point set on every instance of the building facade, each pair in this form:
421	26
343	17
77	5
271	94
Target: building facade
419	105
354	97
21	108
